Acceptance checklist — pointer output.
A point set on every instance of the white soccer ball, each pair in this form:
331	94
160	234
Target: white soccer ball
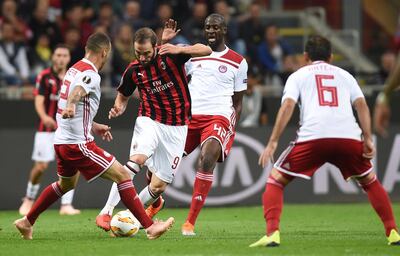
124	224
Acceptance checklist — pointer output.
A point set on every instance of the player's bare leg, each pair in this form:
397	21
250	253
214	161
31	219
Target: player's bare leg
273	204
129	197
49	195
210	152
380	201
104	218
151	194
32	187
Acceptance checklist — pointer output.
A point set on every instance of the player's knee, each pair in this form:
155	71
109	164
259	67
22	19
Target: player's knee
158	188
278	178
41	166
366	180
207	161
139	159
66	185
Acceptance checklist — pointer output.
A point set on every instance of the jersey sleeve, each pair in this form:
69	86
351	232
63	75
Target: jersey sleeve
355	90
40	86
89	80
291	89
180	59
241	77
127	86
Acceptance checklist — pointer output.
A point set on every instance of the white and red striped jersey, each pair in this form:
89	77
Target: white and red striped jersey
325	94
214	79
77	130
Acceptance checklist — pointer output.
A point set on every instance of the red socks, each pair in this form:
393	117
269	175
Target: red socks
131	200
273	203
202	185
49	195
381	203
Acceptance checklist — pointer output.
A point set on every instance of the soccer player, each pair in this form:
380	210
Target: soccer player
382	109
74	143
48	85
328	133
161	127
217	85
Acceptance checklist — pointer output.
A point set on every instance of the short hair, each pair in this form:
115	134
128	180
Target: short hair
144	34
97	42
61	46
218	17
318	48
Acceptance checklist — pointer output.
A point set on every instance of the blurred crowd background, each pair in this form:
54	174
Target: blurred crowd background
269	33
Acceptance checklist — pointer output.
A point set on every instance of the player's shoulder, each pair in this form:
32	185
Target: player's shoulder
346	74
44	73
83	66
233	56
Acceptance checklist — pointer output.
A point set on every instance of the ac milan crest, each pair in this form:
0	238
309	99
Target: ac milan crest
163	66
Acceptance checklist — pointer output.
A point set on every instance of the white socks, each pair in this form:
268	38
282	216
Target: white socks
68	197
147	197
114	198
32	190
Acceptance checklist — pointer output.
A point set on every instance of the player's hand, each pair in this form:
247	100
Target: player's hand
68	112
381	118
115	111
169	31
368	149
169	49
49	122
102	130
267	154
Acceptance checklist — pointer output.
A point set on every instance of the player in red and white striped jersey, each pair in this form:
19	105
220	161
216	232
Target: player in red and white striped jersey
216	87
48	85
161	126
75	147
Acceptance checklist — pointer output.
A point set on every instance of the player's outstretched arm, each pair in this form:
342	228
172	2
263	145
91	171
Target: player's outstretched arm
76	95
119	107
284	114
365	123
196	50
382	109
170	31
102	130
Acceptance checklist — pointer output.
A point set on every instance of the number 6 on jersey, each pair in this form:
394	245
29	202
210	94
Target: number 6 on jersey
327	95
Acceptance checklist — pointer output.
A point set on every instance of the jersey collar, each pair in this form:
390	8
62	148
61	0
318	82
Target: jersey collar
218	54
91	64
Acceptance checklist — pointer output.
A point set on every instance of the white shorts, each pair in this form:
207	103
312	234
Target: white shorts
43	147
162	144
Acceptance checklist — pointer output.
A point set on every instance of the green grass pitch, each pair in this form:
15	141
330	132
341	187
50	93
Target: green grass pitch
340	229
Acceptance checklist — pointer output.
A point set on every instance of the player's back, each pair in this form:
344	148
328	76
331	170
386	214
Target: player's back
325	94
77	129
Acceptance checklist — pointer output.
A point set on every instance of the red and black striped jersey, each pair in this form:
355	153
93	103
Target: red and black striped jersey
163	88
48	85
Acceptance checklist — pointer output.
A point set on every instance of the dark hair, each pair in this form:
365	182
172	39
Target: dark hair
145	34
217	17
62	46
318	48
97	42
